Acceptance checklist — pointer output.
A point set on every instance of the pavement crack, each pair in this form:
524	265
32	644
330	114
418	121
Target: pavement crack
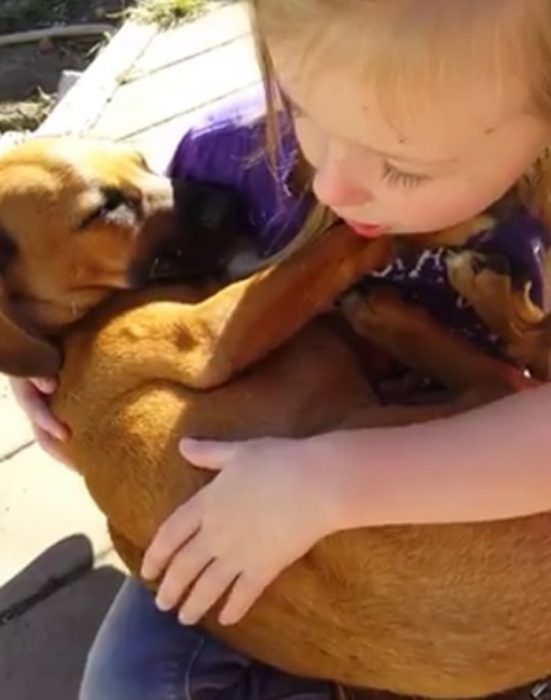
15	451
50	588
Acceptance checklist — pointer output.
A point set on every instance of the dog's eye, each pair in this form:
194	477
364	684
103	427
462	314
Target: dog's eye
113	200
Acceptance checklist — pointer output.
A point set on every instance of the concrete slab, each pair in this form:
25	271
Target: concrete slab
159	143
16	431
189	40
84	103
140	52
43	503
158	97
43	651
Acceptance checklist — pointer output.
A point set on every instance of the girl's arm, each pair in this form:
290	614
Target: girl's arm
274	499
490	463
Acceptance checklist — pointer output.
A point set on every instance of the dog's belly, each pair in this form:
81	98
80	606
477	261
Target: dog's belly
450	611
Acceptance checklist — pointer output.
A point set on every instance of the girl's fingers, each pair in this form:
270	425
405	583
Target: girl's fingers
209	454
46	385
44	420
34	403
184	568
172	534
210	587
50	445
242	597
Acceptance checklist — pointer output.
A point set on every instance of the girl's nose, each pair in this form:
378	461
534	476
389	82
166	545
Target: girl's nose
335	188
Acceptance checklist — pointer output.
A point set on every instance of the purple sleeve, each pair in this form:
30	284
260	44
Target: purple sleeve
226	148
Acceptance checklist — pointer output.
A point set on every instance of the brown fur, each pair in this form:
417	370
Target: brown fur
444	611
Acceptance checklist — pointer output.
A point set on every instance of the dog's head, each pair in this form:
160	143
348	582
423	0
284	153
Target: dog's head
78	220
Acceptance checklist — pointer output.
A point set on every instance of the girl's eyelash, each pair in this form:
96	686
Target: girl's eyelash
397	177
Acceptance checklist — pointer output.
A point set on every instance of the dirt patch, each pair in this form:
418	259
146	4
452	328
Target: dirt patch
167	13
30	72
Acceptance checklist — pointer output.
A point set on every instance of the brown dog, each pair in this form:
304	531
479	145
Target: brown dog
438	611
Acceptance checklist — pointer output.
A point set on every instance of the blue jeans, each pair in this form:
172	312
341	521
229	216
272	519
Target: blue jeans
141	653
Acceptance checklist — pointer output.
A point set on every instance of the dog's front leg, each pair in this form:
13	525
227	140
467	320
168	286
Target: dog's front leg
506	308
203	345
247	320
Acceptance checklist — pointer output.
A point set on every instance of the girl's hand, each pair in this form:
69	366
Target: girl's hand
266	508
32	395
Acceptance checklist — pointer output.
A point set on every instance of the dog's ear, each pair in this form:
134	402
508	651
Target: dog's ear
22	353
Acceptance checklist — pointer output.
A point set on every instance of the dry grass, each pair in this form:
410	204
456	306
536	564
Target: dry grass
166	13
26	115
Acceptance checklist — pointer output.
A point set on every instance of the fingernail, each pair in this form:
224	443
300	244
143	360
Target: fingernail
188	444
192	449
162	604
184	619
62	434
46	386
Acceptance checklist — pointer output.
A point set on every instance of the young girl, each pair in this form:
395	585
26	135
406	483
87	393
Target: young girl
413	115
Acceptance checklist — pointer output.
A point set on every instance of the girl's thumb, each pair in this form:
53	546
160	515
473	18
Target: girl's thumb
208	454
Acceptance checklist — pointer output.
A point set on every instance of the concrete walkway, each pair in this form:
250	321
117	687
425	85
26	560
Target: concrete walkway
58	573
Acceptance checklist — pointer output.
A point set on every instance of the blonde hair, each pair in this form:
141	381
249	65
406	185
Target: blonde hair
425	43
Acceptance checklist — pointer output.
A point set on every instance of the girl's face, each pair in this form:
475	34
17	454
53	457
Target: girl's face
412	169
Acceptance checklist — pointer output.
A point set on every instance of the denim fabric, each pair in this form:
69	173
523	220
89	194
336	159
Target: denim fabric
141	653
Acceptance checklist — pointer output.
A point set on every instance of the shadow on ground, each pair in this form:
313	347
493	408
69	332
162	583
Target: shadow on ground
46	631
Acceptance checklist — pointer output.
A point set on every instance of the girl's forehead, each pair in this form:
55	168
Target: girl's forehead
412	120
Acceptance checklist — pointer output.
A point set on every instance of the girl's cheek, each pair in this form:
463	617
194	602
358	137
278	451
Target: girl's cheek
310	141
424	212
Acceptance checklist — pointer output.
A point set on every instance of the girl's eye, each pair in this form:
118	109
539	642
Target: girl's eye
399	178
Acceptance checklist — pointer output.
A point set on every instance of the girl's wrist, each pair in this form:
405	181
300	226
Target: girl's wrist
362	476
331	468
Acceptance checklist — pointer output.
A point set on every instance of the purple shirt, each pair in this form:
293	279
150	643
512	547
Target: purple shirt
225	148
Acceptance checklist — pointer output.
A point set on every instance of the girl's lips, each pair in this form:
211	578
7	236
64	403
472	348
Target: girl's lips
366	230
